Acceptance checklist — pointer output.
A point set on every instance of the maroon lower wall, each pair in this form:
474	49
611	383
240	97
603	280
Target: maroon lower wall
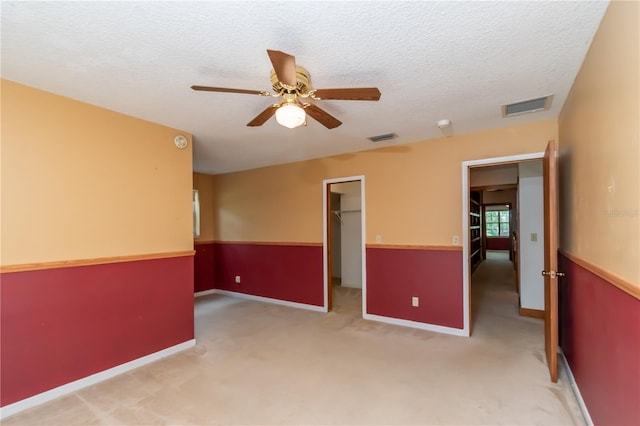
497	243
286	272
203	267
600	337
395	275
61	325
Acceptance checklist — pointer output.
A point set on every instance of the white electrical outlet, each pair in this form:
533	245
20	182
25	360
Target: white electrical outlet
237	279
534	237
378	238
456	240
415	301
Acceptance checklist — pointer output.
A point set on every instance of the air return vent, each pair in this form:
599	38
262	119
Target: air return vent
523	107
384	137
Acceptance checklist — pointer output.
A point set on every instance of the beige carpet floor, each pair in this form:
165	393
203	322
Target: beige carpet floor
258	363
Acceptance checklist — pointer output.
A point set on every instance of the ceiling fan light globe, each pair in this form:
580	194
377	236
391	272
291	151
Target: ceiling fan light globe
290	116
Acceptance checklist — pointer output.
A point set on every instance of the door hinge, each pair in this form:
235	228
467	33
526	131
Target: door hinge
552	274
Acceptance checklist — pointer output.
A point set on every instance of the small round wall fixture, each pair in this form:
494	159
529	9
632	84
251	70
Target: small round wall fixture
180	141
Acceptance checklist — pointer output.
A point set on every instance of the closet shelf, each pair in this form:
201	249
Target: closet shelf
475	229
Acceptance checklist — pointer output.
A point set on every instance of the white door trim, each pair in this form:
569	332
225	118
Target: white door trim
466	294
325	238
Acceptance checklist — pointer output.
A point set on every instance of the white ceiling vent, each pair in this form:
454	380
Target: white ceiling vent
385	137
523	107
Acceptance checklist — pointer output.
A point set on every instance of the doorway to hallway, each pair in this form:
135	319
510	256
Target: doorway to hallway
547	187
506	203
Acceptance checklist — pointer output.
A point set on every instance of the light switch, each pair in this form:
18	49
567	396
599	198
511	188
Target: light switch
534	236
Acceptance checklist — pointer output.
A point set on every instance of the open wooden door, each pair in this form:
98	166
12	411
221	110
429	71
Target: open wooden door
551	260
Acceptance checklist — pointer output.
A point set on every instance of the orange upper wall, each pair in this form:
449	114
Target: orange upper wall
82	182
413	192
205	185
599	145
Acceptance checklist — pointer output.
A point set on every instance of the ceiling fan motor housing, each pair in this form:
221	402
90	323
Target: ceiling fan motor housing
303	82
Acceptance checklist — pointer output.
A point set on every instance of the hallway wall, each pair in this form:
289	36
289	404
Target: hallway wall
531	262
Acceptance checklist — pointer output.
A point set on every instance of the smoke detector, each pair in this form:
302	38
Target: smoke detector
443	124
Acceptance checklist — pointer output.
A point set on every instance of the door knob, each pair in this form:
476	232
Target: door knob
552	274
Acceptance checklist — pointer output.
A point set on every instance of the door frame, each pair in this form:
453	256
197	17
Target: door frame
325	237
466	275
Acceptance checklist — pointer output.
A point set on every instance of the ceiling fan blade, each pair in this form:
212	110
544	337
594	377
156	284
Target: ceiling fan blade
284	66
228	90
263	116
354	94
322	116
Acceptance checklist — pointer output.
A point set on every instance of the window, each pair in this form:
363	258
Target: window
497	222
196	214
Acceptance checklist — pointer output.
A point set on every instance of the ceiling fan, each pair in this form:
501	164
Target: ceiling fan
292	83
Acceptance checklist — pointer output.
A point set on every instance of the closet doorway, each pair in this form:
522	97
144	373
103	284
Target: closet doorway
344	249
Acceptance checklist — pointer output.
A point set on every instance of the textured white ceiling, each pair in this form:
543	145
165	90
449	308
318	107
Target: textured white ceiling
430	60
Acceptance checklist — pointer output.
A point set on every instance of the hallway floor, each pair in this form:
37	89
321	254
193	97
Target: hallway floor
258	363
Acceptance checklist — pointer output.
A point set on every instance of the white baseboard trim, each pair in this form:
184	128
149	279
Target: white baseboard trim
270	300
415	324
41	398
204	292
574	387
